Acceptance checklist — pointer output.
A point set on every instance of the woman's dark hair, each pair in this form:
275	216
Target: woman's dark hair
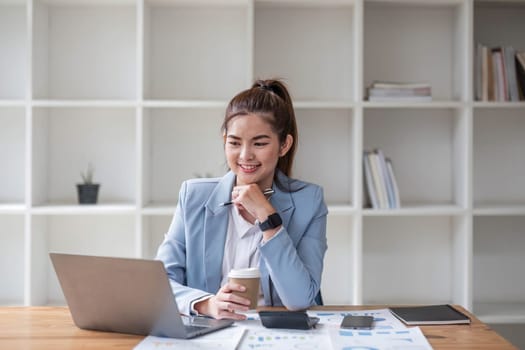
270	100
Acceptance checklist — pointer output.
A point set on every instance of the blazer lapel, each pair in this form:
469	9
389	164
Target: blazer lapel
283	203
215	229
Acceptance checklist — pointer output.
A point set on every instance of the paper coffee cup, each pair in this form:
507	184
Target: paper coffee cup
249	278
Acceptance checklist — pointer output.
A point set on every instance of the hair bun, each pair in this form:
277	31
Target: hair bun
264	86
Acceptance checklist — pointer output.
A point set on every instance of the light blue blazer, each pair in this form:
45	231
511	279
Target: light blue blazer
291	262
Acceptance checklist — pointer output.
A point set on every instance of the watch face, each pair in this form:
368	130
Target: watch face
273	221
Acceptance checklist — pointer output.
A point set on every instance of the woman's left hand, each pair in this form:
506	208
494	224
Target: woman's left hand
251	199
253	205
225	303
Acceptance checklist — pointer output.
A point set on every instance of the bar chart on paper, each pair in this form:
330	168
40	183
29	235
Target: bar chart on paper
284	339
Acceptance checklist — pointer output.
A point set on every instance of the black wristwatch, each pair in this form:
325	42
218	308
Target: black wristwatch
273	221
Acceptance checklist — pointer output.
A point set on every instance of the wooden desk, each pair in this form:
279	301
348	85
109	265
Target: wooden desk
52	328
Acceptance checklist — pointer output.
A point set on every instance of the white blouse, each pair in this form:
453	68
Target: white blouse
241	249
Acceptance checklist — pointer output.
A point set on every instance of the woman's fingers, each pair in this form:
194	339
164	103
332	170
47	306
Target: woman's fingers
229	310
227	294
227	304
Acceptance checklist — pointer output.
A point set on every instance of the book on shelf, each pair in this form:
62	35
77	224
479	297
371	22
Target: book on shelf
370	186
520	73
380	183
395	189
491	80
509	53
498	67
387	181
399	91
429	314
484	74
478	68
378	180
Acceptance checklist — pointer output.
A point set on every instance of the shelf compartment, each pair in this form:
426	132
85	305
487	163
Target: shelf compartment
499	23
182	61
168	159
86	235
428	149
413	42
328	164
414	260
320	36
84	50
498	275
12	155
498	167
66	140
154	227
12	260
13	46
339	261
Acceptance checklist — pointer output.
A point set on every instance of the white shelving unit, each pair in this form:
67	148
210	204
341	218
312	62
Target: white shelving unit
139	88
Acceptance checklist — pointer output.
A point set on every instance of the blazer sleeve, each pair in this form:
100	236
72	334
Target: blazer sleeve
172	252
295	269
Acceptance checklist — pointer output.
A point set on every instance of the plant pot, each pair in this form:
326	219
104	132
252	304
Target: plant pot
87	193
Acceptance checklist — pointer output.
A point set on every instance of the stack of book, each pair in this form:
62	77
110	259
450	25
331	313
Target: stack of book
393	91
380	182
500	74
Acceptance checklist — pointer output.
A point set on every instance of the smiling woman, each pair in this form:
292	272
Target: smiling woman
275	223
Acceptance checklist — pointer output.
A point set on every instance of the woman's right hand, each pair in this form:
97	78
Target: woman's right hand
224	304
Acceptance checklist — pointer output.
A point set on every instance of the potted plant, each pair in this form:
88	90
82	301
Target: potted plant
87	190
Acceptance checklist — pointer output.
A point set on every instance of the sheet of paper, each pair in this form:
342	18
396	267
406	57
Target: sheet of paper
224	339
407	339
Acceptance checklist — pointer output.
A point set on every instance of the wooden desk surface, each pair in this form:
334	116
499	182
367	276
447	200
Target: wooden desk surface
51	328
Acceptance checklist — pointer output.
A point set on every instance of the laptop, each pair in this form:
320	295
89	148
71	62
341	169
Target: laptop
125	296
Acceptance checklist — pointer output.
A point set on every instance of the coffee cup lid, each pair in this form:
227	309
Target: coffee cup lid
244	273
